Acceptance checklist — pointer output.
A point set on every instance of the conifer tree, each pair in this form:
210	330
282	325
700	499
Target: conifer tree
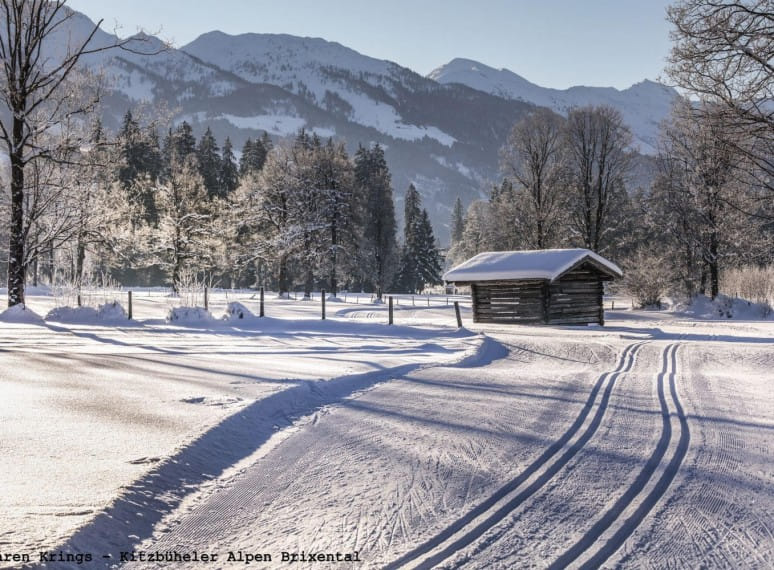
228	178
380	248
139	166
178	145
254	155
428	258
420	261
338	210
457	222
209	164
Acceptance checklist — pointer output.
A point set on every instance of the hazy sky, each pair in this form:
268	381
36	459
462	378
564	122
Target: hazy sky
554	43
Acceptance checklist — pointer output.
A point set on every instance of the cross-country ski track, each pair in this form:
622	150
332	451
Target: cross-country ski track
646	443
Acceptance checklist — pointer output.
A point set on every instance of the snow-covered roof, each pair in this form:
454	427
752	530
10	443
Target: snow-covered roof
547	264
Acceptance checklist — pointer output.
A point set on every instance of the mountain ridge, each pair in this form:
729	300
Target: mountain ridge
442	136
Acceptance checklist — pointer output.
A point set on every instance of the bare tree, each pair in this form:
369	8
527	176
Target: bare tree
599	160
696	179
36	100
724	53
534	158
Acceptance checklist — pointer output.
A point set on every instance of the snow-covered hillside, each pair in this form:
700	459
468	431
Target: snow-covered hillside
334	77
441	133
643	105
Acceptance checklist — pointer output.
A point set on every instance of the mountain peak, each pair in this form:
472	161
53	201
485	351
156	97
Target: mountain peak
643	105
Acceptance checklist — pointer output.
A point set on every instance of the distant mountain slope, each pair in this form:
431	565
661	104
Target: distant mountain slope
643	105
443	137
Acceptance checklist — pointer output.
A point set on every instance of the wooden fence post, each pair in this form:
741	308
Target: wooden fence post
389	310
260	313
79	299
206	300
130	305
322	298
457	313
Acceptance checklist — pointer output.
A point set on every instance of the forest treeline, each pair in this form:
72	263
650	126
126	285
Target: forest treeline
301	215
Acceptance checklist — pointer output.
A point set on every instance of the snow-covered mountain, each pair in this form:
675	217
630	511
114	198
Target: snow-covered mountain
441	133
643	105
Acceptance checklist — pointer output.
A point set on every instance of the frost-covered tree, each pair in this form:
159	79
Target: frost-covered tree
183	241
511	227
39	96
267	223
138	166
477	234
379	250
338	211
691	196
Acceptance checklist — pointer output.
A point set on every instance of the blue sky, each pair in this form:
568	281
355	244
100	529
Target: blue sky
554	43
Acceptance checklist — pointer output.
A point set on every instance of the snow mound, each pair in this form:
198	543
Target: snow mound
189	315
333	299
20	314
724	307
112	312
72	315
236	311
107	312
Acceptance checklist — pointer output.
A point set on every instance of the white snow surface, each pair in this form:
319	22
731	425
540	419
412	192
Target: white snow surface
723	307
108	312
530	264
20	314
644	443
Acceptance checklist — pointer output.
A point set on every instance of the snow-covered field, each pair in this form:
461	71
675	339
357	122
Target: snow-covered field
645	443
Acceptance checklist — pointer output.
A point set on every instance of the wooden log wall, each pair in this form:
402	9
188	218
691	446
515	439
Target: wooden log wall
575	299
508	302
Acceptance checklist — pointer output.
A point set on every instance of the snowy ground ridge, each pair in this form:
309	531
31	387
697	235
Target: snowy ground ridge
133	516
474	524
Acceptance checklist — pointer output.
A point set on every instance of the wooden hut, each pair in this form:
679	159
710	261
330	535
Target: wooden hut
550	286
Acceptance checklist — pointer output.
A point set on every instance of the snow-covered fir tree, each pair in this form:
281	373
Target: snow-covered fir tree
420	263
379	250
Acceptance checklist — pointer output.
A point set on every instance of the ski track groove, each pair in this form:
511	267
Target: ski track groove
608	380
658	490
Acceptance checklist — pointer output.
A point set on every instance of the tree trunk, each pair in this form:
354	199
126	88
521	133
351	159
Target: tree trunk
80	256
334	250
308	282
713	267
283	275
16	242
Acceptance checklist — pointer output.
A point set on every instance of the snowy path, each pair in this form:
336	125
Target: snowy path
581	486
644	443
